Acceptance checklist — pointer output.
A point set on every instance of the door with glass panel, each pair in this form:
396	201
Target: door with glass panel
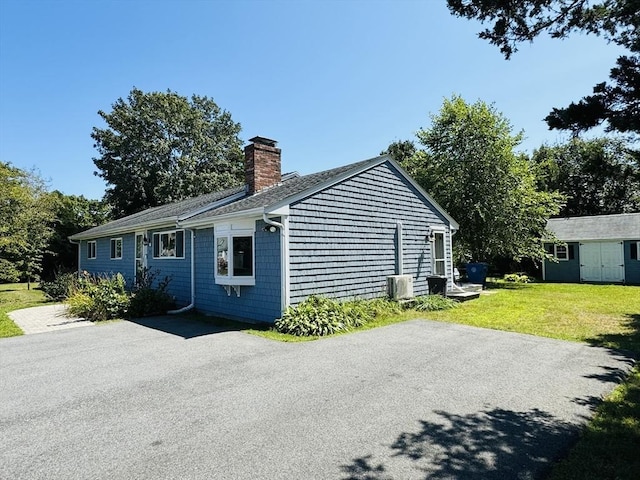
141	256
439	260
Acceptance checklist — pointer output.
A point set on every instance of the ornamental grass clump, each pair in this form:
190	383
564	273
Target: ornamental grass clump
99	298
61	287
432	303
320	316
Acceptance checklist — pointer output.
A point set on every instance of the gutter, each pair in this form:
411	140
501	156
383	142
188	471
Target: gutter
284	260
193	278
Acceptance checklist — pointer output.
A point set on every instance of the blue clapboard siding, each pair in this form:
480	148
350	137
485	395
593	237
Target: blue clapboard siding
564	270
631	266
343	239
177	269
104	265
260	302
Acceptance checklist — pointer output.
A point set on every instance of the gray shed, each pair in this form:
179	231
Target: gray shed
599	249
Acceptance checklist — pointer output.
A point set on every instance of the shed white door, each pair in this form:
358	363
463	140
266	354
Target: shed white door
601	262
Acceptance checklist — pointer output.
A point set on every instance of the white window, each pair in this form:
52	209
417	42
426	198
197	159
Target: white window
561	252
116	248
91	249
235	257
438	254
168	244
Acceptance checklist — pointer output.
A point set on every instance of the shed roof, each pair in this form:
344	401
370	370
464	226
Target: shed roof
624	226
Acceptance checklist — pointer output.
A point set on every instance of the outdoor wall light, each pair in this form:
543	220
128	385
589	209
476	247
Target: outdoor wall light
270	229
430	235
145	241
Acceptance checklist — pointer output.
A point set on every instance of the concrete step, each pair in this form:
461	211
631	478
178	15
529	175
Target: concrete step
462	296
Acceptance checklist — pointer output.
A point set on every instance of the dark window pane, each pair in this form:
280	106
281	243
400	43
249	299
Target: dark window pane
180	243
243	256
634	250
156	245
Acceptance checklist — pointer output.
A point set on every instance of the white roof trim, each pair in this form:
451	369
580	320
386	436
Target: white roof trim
210	221
376	161
162	222
454	225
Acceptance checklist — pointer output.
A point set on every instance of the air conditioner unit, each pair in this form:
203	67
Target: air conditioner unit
400	287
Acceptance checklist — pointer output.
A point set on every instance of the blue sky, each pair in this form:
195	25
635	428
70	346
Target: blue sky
333	82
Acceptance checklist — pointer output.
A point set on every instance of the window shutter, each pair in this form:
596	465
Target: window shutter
113	248
549	248
633	250
571	253
156	245
180	243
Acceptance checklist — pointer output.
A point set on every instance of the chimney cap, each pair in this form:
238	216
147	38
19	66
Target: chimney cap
263	141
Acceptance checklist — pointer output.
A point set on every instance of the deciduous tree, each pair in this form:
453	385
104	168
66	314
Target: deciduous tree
470	166
161	147
27	214
598	177
72	215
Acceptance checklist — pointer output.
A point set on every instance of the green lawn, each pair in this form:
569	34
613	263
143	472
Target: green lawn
602	315
14	296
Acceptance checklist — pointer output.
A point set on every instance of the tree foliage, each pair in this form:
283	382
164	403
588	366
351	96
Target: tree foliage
469	165
27	214
161	147
598	177
617	21
73	214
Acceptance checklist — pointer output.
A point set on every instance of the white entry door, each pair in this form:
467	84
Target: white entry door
612	255
601	262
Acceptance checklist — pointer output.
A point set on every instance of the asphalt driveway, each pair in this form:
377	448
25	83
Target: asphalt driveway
178	400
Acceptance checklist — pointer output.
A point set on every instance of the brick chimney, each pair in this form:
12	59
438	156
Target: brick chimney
261	164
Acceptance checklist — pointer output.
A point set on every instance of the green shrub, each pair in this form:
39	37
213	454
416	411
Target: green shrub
149	300
98	298
517	278
61	287
431	303
319	316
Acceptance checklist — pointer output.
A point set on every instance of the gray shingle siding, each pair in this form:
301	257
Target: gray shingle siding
342	240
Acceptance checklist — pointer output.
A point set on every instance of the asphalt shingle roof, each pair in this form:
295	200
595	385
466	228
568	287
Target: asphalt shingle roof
169	212
598	227
289	187
284	190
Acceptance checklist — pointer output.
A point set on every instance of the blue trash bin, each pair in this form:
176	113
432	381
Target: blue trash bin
477	272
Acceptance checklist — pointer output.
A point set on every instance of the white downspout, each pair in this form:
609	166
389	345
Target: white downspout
193	278
284	254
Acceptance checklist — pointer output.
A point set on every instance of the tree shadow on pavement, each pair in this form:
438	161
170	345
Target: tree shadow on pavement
491	444
626	342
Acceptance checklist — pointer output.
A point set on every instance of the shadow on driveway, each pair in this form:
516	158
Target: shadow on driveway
189	327
490	444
